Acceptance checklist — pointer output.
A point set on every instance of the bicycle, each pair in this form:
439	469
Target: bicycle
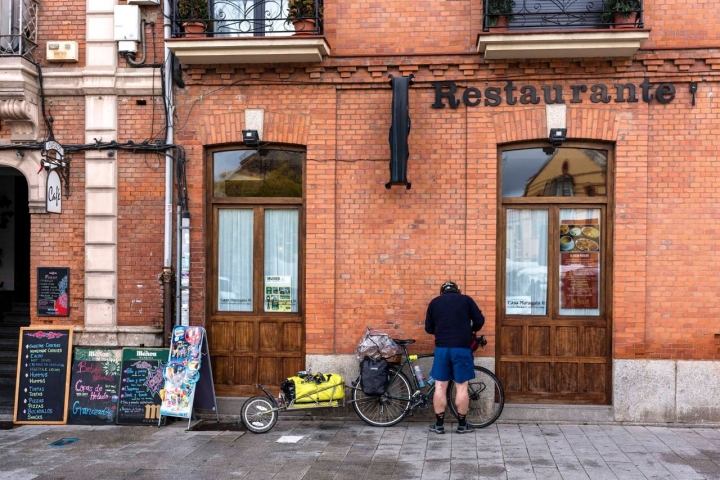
487	397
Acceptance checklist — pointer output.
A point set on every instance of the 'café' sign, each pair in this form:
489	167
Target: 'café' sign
54	158
512	94
53	199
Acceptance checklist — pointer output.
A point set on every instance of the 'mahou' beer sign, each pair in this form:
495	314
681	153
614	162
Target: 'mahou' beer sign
53	197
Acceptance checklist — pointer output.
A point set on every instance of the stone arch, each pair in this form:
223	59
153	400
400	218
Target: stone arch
278	128
28	165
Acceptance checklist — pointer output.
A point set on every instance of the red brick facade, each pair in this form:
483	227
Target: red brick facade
375	257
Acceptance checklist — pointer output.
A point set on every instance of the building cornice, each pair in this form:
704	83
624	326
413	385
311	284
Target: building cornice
85	81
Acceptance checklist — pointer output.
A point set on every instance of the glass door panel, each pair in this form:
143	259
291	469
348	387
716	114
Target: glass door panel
526	262
579	261
281	260
235	260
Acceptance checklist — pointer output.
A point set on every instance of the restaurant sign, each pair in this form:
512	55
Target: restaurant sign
448	93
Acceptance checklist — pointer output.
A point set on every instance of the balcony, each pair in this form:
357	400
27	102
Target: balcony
525	29
18	28
248	31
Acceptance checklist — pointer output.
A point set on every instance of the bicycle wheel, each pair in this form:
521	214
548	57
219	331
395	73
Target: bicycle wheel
386	409
487	398
258	415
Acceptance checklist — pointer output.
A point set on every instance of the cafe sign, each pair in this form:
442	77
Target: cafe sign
53	198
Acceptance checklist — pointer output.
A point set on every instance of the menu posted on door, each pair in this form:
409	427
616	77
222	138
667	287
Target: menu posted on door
43	375
580	264
53	290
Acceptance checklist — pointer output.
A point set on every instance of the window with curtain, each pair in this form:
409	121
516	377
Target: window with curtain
526	262
235	260
257	205
281	260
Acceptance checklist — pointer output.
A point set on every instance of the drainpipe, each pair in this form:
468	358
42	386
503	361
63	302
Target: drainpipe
169	137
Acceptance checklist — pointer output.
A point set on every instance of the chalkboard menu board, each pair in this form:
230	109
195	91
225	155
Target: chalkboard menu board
141	385
94	386
43	375
53	290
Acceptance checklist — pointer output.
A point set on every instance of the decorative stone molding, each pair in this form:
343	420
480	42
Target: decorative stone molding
19	98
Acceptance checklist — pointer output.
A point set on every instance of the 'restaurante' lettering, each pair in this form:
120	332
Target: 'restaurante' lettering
448	94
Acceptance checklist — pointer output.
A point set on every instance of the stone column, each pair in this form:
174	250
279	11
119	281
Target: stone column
101	177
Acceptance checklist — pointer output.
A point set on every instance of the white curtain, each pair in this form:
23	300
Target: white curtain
281	248
581	217
235	260
526	262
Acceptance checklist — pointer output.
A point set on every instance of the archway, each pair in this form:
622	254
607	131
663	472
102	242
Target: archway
14	268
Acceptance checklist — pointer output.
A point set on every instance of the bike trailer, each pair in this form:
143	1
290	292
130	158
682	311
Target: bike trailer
312	389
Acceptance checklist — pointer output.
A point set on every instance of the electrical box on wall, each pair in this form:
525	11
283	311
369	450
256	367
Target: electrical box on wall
62	51
143	2
127	23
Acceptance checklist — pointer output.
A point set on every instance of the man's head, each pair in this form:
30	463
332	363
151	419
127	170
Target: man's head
449	287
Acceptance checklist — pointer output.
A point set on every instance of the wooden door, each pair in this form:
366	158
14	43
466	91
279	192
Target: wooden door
256	324
255	258
554	234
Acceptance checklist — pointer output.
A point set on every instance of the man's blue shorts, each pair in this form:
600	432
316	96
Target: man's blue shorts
453	363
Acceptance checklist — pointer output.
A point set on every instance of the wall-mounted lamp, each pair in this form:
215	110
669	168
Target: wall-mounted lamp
693	90
557	136
20	154
251	138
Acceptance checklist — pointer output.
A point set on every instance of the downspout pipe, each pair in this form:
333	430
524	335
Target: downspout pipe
169	138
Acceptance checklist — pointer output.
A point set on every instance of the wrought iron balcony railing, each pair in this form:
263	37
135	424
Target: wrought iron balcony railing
246	18
18	28
561	14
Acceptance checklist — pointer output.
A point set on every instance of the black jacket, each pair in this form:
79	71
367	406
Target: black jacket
452	317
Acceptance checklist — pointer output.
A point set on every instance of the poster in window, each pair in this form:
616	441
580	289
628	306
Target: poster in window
277	293
579	264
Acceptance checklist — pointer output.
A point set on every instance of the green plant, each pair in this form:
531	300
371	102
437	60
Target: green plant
196	10
298	9
498	8
624	7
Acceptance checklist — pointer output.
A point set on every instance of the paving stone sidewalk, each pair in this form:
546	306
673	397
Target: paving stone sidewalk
352	450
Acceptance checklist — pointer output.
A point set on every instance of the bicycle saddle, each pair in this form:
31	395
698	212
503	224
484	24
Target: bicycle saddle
403	343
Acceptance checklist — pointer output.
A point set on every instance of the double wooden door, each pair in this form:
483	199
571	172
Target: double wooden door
554	321
256	329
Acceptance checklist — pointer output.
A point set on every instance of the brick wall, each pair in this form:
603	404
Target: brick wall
375	257
141	213
59	240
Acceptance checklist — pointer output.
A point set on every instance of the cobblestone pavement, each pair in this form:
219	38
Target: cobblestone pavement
351	450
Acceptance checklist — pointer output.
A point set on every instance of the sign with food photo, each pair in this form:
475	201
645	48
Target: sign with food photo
579	264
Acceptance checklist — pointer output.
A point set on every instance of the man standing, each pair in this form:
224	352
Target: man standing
452	317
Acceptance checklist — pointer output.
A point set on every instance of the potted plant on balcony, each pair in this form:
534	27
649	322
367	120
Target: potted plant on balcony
500	13
301	13
192	14
621	13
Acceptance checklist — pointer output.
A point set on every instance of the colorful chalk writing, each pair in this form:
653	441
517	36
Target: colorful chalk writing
94	386
141	385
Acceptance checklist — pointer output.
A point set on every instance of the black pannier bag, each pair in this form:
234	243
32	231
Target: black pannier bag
288	388
374	376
